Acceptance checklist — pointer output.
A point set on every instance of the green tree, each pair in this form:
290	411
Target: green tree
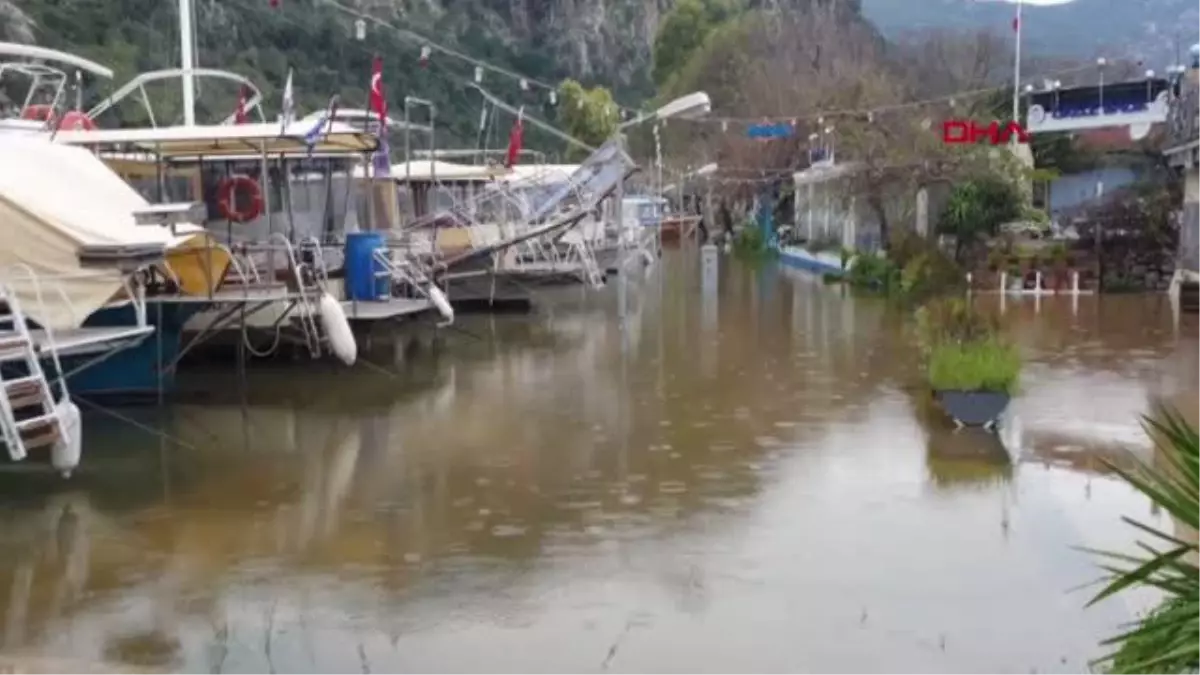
977	208
684	30
589	115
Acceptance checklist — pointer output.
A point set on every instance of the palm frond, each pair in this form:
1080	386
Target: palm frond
1164	640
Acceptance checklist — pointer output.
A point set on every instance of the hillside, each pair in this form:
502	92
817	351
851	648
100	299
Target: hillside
1158	32
602	41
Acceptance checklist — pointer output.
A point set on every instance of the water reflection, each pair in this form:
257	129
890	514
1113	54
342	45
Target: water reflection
726	482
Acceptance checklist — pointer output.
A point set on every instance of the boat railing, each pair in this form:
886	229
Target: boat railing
307	309
312	246
138	86
48	71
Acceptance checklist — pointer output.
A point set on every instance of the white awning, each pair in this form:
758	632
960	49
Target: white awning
226	140
56	202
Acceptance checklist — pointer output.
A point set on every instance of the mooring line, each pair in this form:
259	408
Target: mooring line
129	420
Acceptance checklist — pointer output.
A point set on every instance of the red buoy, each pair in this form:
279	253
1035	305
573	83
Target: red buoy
72	120
75	120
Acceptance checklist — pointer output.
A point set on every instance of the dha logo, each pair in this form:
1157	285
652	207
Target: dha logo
956	132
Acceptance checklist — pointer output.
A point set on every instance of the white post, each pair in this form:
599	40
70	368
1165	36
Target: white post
1037	282
710	258
187	52
659	185
1003	283
1075	283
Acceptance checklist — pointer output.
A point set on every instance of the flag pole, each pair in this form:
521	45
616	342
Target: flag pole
1016	96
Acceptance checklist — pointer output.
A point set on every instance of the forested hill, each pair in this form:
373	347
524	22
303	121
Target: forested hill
599	41
1159	32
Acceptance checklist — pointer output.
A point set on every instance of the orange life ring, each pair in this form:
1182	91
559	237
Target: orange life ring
227	192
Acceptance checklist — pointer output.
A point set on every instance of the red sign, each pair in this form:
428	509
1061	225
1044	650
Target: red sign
969	131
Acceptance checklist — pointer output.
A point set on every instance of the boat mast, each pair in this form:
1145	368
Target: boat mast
187	52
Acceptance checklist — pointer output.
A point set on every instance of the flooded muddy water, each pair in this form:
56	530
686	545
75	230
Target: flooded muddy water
741	481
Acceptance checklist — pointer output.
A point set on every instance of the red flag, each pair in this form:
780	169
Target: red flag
514	140
274	3
240	113
378	102
1016	24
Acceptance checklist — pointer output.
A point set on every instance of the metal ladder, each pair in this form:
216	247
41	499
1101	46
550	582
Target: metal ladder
307	312
31	394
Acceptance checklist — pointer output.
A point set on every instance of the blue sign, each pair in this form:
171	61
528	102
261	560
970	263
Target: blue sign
781	130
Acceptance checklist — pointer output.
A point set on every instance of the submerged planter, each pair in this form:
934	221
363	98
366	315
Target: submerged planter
973	408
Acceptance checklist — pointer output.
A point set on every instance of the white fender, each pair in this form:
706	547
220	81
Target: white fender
438	298
66	451
337	329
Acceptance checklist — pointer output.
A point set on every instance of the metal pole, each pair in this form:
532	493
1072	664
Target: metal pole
622	272
187	52
659	190
412	204
1016	97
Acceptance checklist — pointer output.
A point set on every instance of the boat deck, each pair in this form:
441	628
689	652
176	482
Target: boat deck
382	310
229	296
76	341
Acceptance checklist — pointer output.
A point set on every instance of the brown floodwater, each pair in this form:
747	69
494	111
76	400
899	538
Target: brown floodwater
736	482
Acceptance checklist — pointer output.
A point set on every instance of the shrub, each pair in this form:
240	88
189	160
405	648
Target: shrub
751	244
988	364
874	272
952	320
963	349
930	273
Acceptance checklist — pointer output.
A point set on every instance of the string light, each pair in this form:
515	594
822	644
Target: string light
859	113
424	55
478	75
553	97
360	30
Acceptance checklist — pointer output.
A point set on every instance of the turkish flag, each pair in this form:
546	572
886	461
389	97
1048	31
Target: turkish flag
515	138
240	113
378	102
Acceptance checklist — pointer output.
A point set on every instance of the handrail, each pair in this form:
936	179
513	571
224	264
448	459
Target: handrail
47	54
139	82
50	341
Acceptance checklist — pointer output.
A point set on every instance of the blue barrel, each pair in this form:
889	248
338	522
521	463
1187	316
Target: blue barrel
364	280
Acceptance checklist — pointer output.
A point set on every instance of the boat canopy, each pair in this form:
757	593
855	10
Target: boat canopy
234	140
58	206
541	173
426	170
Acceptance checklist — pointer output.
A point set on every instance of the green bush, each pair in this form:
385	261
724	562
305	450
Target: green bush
750	243
952	319
914	269
930	273
963	349
988	364
874	272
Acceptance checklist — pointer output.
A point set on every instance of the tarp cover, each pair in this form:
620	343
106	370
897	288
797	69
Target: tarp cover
56	200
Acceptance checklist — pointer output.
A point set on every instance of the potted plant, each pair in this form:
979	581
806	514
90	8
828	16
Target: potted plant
971	369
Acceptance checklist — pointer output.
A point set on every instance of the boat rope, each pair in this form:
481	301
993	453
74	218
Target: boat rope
136	424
